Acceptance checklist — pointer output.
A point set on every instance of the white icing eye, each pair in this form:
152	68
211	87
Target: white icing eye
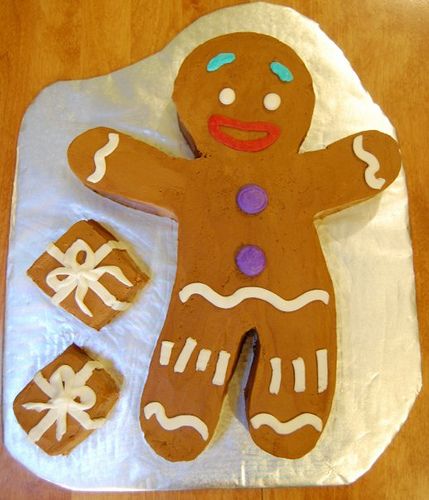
272	101
227	96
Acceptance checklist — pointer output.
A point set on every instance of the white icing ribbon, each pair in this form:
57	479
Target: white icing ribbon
173	423
289	426
100	158
372	162
63	388
252	292
82	277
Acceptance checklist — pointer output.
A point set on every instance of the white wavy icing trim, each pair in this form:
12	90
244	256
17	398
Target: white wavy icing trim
322	370
221	368
372	162
252	292
85	276
100	158
63	388
299	373
173	423
276	375
289	426
184	355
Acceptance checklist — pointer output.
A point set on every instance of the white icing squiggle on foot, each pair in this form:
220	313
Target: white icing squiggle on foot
100	158
372	162
252	292
289	426
173	423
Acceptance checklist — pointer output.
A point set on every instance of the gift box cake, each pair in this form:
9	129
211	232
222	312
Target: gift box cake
66	401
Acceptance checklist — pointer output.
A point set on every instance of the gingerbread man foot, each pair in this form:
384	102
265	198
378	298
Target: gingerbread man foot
187	382
290	390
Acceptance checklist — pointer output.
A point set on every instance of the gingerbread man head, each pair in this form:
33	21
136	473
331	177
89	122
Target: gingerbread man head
252	93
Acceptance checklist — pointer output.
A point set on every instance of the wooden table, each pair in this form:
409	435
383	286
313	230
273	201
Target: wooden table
386	42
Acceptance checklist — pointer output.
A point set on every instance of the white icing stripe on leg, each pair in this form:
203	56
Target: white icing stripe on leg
252	292
202	360
289	426
276	375
372	162
173	423
299	372
166	348
184	355
221	367
322	370
100	158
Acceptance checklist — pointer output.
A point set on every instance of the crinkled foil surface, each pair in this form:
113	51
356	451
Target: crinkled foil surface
367	247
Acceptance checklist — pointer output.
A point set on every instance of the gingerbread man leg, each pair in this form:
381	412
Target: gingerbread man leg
188	378
290	390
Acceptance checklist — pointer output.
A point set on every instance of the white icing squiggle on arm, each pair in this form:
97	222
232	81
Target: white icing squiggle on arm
100	158
252	292
372	162
173	423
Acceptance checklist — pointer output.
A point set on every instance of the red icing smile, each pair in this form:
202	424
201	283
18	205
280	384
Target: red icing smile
217	121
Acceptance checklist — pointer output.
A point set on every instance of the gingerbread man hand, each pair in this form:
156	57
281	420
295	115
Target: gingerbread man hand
351	170
130	171
249	257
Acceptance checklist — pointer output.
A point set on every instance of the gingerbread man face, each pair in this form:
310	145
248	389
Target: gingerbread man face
254	95
249	257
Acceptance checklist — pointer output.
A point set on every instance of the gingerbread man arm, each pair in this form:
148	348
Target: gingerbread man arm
352	169
129	171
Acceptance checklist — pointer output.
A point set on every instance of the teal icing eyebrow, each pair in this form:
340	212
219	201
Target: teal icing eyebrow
218	61
281	71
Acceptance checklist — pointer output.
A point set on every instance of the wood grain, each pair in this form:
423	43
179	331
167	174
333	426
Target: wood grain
386	42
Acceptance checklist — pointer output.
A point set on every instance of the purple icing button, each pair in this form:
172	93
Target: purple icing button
252	199
251	260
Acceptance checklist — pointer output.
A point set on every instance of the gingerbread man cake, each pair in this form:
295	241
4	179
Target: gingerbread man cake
249	258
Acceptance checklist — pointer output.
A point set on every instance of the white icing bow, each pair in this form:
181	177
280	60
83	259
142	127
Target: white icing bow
84	276
63	388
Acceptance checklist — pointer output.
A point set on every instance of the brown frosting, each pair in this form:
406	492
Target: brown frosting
94	235
239	142
100	382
